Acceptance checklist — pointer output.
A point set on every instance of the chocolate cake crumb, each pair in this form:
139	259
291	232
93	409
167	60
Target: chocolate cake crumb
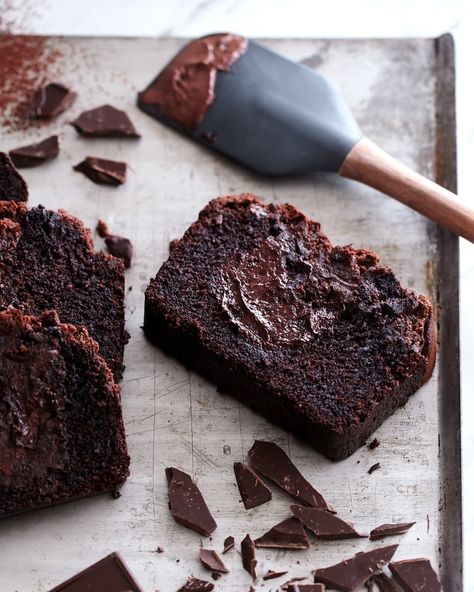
373	468
374	444
159	550
102	229
116	494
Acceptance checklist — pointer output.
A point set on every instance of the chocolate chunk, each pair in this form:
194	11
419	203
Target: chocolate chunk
103	171
51	100
416	575
389	530
252	489
184	90
324	524
105	122
288	534
12	185
292	582
102	229
35	154
211	561
271	575
373	468
109	574
249	562
374	444
187	504
228	544
272	462
353	572
306	588
159	550
120	247
384	583
195	585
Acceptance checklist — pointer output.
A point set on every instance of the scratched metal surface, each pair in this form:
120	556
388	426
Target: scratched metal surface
172	416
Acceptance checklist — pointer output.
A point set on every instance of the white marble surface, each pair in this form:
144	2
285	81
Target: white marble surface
315	18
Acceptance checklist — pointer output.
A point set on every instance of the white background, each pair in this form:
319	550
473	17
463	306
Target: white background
315	18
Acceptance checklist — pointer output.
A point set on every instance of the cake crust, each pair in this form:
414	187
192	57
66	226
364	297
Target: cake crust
320	339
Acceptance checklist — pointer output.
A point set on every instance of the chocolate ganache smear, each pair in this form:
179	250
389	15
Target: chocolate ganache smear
279	293
184	90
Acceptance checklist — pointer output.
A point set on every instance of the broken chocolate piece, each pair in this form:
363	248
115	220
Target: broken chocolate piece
389	530
12	185
105	122
271	575
272	462
416	575
324	524
187	504
228	544
374	444
288	534
384	583
353	572
183	91
252	489
292	582
35	154
103	171
306	588
249	561
109	574
373	468
120	247
195	585
211	561
50	100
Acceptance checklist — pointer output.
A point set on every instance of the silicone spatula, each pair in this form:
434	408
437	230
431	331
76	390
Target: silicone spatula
281	118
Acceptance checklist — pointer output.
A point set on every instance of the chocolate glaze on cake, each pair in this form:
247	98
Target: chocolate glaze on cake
61	428
47	262
12	185
320	339
184	90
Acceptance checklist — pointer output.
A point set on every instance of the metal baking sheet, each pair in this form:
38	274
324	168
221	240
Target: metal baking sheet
402	93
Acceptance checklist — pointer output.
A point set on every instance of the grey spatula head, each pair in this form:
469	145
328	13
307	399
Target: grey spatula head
275	116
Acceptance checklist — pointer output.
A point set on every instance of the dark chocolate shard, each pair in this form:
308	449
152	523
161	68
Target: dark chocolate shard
103	171
195	585
228	544
249	561
272	575
187	504
35	154
272	462
105	122
373	468
50	100
306	588
109	574
253	490
288	534
416	575
12	185
120	247
385	530
211	561
384	583
324	524
351	573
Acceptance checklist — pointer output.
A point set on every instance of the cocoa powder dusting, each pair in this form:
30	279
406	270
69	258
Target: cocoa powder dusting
26	63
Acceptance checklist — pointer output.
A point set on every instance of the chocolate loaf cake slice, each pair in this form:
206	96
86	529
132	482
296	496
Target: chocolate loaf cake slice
320	339
61	428
47	262
12	185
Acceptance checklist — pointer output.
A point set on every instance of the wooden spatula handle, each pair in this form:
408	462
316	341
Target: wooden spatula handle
369	164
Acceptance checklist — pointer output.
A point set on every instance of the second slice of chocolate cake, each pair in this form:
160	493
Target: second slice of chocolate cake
322	340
